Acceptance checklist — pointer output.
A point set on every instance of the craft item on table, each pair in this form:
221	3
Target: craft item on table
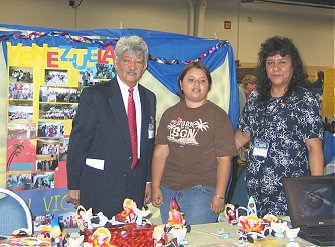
128	234
45	233
83	218
101	237
128	228
75	242
132	214
56	238
33	241
174	226
22	237
221	234
232	213
22	232
252	206
55	230
278	228
252	228
292	234
268	218
102	219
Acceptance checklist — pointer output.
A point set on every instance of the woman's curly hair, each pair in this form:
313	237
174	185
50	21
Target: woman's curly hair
282	46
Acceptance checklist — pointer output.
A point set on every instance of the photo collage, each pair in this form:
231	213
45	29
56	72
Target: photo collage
38	114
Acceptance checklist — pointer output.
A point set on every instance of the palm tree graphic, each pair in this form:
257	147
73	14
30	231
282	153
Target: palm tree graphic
16	152
200	126
171	126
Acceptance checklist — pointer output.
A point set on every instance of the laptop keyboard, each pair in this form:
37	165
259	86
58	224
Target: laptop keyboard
319	231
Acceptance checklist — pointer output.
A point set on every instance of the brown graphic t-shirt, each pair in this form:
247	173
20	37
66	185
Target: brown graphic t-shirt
196	137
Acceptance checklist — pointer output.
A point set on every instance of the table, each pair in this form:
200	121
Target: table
202	235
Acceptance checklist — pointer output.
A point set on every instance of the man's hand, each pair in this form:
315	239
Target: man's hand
73	196
147	196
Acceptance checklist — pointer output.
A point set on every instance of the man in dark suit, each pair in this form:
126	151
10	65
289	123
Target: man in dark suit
100	158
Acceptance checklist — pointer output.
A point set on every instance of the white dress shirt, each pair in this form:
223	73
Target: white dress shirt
125	93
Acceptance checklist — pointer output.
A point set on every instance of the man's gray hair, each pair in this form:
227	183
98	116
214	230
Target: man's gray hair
132	44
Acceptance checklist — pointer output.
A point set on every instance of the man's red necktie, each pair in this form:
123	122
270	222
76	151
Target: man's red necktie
132	126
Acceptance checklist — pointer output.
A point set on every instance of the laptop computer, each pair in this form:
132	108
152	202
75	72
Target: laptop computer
311	207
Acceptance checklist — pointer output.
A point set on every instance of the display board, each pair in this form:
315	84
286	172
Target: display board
45	71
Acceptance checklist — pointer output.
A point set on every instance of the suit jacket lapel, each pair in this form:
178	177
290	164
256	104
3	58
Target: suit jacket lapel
117	107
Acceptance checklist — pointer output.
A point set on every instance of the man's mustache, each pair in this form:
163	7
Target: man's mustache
132	71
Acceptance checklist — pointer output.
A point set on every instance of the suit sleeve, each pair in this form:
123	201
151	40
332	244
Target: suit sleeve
152	102
82	133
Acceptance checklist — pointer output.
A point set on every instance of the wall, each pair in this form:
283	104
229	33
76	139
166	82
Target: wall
312	29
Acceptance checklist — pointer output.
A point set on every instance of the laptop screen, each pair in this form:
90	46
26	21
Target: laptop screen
310	200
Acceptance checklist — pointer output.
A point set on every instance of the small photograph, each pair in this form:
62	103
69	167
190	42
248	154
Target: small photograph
56	77
42	220
104	71
63	146
74	95
20	74
47	146
20	111
57	111
46	162
17	131
18	182
67	220
21	91
50	129
43	180
59	94
86	78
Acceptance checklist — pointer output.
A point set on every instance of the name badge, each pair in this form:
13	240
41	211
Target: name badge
151	130
261	148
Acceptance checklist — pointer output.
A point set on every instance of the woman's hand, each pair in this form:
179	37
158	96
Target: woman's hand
217	205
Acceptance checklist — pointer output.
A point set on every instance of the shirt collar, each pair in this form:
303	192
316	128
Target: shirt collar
123	86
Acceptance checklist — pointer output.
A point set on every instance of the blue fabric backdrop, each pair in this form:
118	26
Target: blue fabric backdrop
169	51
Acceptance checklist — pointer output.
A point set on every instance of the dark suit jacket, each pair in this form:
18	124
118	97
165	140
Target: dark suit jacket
99	154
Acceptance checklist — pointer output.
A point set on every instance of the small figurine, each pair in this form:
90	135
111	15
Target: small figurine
176	218
292	234
175	226
252	206
251	228
131	214
56	239
101	237
278	228
55	230
84	217
230	213
75	242
221	234
269	217
250	223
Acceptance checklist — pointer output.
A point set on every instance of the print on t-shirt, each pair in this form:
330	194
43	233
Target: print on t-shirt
184	132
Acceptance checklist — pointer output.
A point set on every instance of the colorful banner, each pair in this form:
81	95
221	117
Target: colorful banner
46	72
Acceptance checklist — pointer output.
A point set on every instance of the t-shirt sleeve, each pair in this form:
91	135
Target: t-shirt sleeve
224	137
